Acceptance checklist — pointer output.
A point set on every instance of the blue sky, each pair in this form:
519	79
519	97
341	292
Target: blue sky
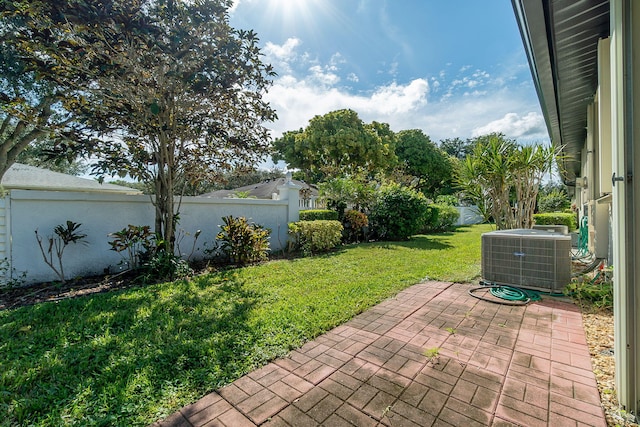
453	68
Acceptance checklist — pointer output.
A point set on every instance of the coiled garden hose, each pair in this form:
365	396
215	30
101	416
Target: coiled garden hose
507	295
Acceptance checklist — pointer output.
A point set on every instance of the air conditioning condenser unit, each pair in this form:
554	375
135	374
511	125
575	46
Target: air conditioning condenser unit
527	258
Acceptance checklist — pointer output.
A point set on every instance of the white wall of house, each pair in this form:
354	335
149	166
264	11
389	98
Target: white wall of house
23	211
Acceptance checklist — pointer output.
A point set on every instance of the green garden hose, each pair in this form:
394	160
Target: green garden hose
508	295
583	239
511	293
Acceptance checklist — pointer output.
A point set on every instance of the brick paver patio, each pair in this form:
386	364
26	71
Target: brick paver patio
496	365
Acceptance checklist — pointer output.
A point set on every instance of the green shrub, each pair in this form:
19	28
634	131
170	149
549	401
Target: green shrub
398	213
315	236
318	214
554	201
162	265
134	240
354	224
243	242
556	218
447	199
440	217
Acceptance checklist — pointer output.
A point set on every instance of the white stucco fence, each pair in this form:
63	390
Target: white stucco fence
469	215
24	211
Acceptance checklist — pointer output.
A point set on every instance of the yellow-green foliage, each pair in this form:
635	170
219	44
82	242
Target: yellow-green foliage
316	236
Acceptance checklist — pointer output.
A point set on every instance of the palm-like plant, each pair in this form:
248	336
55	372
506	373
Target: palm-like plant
503	179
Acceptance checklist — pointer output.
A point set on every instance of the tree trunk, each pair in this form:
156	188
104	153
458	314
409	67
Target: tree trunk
15	138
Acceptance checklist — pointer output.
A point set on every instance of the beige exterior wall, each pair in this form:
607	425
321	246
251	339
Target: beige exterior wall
625	134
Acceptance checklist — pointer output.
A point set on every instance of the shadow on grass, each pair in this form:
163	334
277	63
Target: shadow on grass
421	242
92	359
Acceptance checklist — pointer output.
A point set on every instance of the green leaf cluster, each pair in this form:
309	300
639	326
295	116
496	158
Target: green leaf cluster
398	212
596	291
440	217
422	159
315	236
338	143
243	242
555	200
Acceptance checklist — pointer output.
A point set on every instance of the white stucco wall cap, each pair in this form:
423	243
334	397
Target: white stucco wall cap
25	177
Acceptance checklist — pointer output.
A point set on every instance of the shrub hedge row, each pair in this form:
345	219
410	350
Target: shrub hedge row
556	218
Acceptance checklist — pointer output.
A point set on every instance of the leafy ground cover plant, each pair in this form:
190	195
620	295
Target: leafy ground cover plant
9	277
135	356
243	242
596	291
134	241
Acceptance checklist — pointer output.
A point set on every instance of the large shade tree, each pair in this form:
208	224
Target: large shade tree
338	143
422	159
33	100
175	93
195	94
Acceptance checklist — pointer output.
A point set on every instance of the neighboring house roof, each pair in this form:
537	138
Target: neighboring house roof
262	190
25	177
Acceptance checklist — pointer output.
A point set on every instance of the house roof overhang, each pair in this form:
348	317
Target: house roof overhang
561	39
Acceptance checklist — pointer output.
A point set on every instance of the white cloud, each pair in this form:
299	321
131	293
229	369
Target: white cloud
299	100
324	76
281	54
406	106
396	98
515	125
352	77
471	103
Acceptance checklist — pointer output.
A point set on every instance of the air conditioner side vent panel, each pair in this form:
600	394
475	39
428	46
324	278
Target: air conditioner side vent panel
532	259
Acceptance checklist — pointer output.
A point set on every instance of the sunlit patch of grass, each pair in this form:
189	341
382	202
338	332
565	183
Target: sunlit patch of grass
134	356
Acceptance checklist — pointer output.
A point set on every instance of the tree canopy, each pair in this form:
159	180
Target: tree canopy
336	144
422	159
171	92
457	147
33	102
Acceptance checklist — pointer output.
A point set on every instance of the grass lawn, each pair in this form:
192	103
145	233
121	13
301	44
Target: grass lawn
135	356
